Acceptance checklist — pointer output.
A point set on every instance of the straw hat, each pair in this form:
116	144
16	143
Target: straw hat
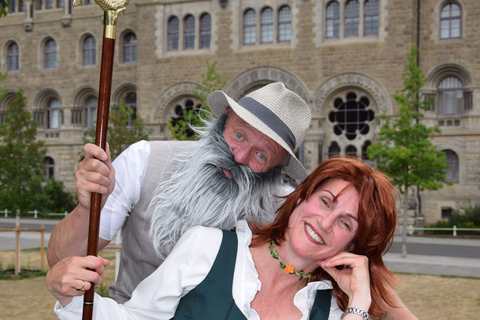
276	112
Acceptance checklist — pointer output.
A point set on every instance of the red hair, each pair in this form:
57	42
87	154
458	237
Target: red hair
377	218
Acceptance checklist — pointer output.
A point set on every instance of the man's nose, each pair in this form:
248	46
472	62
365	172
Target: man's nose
242	155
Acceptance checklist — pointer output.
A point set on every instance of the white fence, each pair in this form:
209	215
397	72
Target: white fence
454	230
36	213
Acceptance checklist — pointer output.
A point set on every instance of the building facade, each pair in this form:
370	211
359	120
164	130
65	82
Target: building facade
344	57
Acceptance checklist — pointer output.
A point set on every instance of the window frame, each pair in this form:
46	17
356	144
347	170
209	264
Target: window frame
89	51
49	168
451	159
90	110
368	15
130	47
15	56
267	20
333	21
189	32
442	97
205	31
284	26
54	113
249	27
449	20
354	18
173	36
50	54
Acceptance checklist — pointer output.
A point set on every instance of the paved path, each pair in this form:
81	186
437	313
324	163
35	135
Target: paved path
437	264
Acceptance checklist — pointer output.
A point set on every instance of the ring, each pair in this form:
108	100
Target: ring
82	288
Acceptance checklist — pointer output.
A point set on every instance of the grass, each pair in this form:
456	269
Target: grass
428	297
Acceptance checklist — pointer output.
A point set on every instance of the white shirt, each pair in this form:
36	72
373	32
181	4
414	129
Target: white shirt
130	167
188	264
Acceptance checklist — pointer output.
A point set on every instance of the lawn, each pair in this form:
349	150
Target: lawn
429	297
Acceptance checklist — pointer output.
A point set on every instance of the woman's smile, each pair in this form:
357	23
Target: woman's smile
311	233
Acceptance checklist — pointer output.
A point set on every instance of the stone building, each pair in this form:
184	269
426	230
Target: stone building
337	54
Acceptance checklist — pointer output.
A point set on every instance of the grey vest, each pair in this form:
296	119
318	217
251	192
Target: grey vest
138	257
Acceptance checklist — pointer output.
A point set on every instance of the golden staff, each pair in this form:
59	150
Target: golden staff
112	9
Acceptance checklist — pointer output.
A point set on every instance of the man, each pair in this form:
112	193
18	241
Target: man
231	173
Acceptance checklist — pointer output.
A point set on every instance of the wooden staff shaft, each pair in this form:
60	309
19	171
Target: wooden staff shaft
101	141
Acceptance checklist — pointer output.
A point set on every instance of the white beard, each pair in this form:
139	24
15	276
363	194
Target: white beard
199	193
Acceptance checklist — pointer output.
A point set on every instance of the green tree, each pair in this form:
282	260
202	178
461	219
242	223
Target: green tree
22	171
211	81
58	200
405	151
4	4
124	128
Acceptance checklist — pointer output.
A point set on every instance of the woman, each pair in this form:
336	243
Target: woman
329	236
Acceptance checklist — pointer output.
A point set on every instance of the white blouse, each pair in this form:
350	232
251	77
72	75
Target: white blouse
188	264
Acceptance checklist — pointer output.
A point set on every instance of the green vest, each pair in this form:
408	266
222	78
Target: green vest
212	299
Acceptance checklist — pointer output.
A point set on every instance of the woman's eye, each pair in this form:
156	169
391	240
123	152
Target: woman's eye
346	225
325	202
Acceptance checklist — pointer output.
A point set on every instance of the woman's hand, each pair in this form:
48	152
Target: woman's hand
352	276
70	277
95	173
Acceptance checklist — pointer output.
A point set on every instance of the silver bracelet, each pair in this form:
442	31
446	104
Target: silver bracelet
358	311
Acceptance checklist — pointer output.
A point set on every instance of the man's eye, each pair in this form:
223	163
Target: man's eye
262	156
239	135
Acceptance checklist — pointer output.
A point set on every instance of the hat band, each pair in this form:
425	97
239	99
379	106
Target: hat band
270	119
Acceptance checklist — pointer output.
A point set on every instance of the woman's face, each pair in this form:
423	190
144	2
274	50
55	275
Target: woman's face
321	227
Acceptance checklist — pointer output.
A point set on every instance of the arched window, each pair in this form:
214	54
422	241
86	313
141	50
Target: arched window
13	57
351	116
60	3
364	150
21	6
172	31
333	20
351	151
91	104
450	97
333	150
50	54
49	168
89	51
352	12
53	114
205	30
49	4
131	102
284	24
184	104
189	32
450	22
266	25
452	162
371	17
129	47
39	4
249	27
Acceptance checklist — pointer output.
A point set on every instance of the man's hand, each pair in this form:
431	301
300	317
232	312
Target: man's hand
70	277
95	173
